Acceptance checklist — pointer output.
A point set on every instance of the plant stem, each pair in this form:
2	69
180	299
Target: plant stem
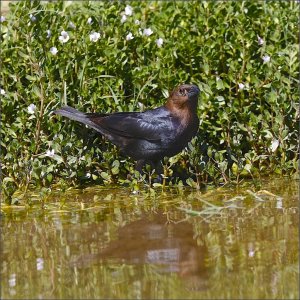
39	121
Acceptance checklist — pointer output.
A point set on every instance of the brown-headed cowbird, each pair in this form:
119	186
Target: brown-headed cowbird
151	135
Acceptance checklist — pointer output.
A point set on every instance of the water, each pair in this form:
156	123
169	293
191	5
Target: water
226	243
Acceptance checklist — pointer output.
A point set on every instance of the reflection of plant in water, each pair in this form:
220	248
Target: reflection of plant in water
250	241
233	236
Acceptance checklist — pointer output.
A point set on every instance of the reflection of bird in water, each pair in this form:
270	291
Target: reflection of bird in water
148	136
169	248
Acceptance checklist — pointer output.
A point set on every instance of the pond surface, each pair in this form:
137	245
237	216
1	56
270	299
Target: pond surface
100	243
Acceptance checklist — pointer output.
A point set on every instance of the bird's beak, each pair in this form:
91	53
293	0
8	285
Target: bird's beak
194	90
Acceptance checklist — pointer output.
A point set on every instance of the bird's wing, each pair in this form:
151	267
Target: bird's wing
132	125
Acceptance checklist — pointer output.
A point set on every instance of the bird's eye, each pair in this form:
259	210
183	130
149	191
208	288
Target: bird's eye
182	92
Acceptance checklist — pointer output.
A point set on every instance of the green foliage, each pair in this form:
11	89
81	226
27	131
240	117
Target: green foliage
248	108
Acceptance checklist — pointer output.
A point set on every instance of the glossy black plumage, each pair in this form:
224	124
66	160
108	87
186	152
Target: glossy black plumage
151	135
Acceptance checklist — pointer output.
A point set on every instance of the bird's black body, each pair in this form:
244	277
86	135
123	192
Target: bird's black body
151	135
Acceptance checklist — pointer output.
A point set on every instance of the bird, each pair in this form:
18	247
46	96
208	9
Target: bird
147	137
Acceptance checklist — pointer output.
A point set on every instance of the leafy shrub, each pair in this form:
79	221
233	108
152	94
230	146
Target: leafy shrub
242	55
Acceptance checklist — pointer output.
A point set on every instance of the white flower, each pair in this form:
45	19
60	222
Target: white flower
53	50
137	22
279	202
90	20
2	19
147	31
251	250
159	42
128	10
2	92
39	264
260	40
129	36
266	58
32	18
241	86
64	37
141	106
94	37
245	10
123	19
88	175
274	145
12	280
31	109
48	33
50	153
72	25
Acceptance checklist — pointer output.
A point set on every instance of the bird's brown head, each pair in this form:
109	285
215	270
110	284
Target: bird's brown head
184	97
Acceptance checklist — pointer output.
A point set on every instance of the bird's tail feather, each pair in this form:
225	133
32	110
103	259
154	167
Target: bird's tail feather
77	115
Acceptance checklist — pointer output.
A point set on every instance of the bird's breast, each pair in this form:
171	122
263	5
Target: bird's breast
187	121
184	130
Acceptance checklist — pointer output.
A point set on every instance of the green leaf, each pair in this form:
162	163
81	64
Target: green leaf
31	78
220	85
105	175
37	91
49	177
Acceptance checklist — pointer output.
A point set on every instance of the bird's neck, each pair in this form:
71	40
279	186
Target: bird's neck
185	111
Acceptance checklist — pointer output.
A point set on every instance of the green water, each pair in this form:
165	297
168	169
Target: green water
226	243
